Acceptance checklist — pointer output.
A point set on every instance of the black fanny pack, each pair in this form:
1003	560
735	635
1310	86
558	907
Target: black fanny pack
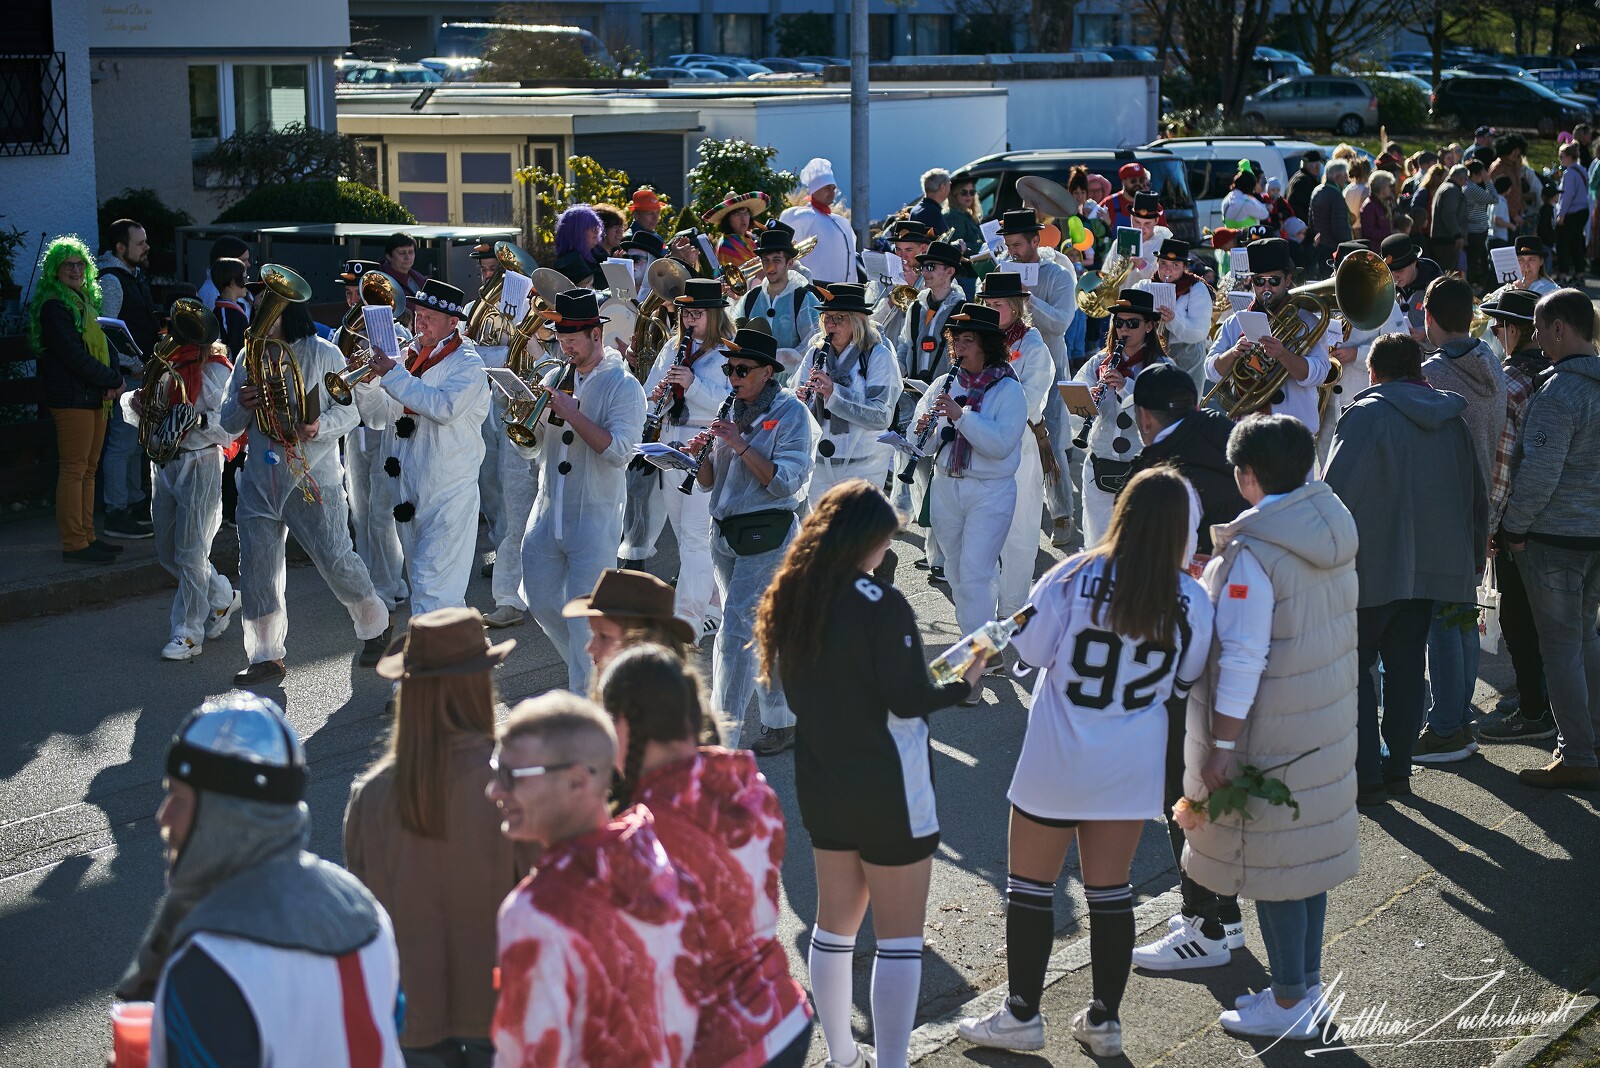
1110	475
753	533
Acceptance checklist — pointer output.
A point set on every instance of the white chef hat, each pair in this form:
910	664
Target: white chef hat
817	173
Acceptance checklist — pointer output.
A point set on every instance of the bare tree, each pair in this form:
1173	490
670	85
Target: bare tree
1336	31
1052	24
1219	39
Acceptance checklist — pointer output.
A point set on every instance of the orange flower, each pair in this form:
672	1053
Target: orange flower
1188	814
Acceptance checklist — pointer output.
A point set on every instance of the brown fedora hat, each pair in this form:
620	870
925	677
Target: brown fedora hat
631	595
446	641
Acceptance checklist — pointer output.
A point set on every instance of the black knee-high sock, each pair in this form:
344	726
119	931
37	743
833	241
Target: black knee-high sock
1110	946
1030	935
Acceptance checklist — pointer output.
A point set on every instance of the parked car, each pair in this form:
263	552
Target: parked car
1211	162
996	178
737	71
454	68
1130	53
388	74
683	59
1087	55
779	65
468	38
1462	100
825	61
1416	81
1346	106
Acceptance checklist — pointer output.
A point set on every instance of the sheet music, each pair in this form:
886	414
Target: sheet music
380	329
666	457
1077	398
707	249
120	338
1028	271
1254	325
991	235
514	291
619	277
1129	241
1239	262
877	265
507	382
889	437
1165	295
1505	264
1240	301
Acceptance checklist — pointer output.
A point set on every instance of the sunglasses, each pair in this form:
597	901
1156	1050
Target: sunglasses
929	268
1132	323
965	192
738	370
507	777
1267	280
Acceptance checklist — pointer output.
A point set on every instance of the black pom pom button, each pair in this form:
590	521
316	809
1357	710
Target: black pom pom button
1277	398
391	467
1124	421
566	437
405	426
1121	444
825	448
564	467
405	512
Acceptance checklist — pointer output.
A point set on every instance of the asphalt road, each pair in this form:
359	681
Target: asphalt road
1478	869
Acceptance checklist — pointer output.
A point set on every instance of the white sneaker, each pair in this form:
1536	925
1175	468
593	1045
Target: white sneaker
1263	1017
1101	1040
1183	947
1313	992
709	627
1232	933
217	625
180	649
505	615
1001	1030
863	1059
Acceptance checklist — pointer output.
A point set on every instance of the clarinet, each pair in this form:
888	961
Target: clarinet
705	450
1097	392
653	421
908	473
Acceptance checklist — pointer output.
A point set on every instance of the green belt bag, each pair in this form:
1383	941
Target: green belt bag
754	533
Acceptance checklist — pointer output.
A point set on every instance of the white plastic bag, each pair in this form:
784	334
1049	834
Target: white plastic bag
1489	616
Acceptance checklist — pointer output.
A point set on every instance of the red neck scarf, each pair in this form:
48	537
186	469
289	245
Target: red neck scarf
191	368
823	208
418	364
1014	335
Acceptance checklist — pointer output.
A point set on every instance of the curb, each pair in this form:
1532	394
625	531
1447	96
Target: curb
1535	1046
55	594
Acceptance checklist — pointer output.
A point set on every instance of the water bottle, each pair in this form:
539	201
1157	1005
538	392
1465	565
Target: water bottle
984	642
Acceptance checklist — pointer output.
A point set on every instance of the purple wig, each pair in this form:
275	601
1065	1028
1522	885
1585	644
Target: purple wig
572	229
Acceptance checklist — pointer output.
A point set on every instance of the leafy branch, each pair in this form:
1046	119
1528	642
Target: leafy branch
1235	797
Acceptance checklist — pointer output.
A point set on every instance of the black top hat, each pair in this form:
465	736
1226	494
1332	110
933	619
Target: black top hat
1164	387
1146	205
484	250
976	318
1001	284
843	297
1514	304
1270	254
1020	221
441	296
644	241
757	345
1138	301
1175	249
354	269
911	230
1398	251
942	253
577	310
702	293
1345	248
775	237
1531	246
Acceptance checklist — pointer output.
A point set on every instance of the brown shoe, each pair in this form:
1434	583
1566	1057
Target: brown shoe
1557	775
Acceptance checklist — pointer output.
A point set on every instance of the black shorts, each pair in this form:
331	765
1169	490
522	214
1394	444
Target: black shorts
886	854
1044	821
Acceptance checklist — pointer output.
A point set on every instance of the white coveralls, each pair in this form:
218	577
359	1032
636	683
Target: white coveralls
576	520
1115	437
186	510
858	411
273	505
435	466
921	349
690	513
371	513
514	480
1052	303
972	511
1187	332
1036	371
786	435
1300	398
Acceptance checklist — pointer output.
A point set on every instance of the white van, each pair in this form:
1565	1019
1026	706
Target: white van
1211	163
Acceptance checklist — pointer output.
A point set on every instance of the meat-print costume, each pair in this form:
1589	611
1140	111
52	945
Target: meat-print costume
591	947
723	826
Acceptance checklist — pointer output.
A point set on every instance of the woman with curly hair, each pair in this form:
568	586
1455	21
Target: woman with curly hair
578	251
721	824
856	676
80	384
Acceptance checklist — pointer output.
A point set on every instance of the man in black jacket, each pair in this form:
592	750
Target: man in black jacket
125	295
1192	439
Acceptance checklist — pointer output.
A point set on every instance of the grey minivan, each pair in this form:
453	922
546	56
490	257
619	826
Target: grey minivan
1317	101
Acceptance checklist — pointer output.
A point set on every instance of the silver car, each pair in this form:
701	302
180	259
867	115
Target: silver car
1346	106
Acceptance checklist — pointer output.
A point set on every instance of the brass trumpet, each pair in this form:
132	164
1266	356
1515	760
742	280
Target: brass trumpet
523	414
166	411
739	279
376	288
270	364
488	322
903	296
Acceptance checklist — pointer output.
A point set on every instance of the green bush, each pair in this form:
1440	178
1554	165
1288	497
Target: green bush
1402	107
144	206
738	167
316	202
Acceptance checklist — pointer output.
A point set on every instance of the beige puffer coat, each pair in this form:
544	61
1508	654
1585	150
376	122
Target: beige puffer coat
1306	542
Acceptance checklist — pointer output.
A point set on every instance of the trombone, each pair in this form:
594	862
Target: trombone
377	289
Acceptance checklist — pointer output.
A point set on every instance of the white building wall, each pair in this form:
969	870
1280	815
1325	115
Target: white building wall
141	106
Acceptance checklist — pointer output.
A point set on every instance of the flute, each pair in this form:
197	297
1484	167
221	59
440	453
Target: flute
705	450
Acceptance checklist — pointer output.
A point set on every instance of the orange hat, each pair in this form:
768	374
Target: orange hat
645	199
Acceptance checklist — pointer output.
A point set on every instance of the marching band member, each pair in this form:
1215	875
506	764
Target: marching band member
492	355
907	240
921	342
687	390
186	503
1351	354
784	298
974	479
279	490
1113	441
851	383
1035	370
1530	262
756	460
1185	327
431	405
644	210
1272	276
643	247
576	523
735	218
834	259
1152	234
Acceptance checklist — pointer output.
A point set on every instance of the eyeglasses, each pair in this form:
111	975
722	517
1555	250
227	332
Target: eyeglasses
738	370
1131	323
835	318
73	265
1267	280
507	777
692	313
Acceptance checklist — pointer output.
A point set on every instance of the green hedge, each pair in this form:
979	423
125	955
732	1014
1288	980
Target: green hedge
316	202
1402	107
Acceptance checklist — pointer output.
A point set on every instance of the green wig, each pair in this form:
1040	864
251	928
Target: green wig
50	287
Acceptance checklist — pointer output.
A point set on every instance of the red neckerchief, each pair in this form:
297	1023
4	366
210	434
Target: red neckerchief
446	347
694	357
190	367
1186	281
823	208
1014	335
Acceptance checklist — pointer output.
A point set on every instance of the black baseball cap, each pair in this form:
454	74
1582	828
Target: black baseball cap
1163	387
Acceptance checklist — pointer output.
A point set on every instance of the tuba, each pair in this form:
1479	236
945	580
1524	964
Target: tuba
1360	293
668	279
166	411
488	323
1097	290
270	364
376	288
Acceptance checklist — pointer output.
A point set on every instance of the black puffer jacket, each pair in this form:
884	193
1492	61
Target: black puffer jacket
1198	448
70	376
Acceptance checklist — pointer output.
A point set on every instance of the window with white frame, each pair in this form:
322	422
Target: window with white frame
226	98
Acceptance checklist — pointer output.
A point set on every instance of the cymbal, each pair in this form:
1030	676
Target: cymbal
667	277
1046	197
